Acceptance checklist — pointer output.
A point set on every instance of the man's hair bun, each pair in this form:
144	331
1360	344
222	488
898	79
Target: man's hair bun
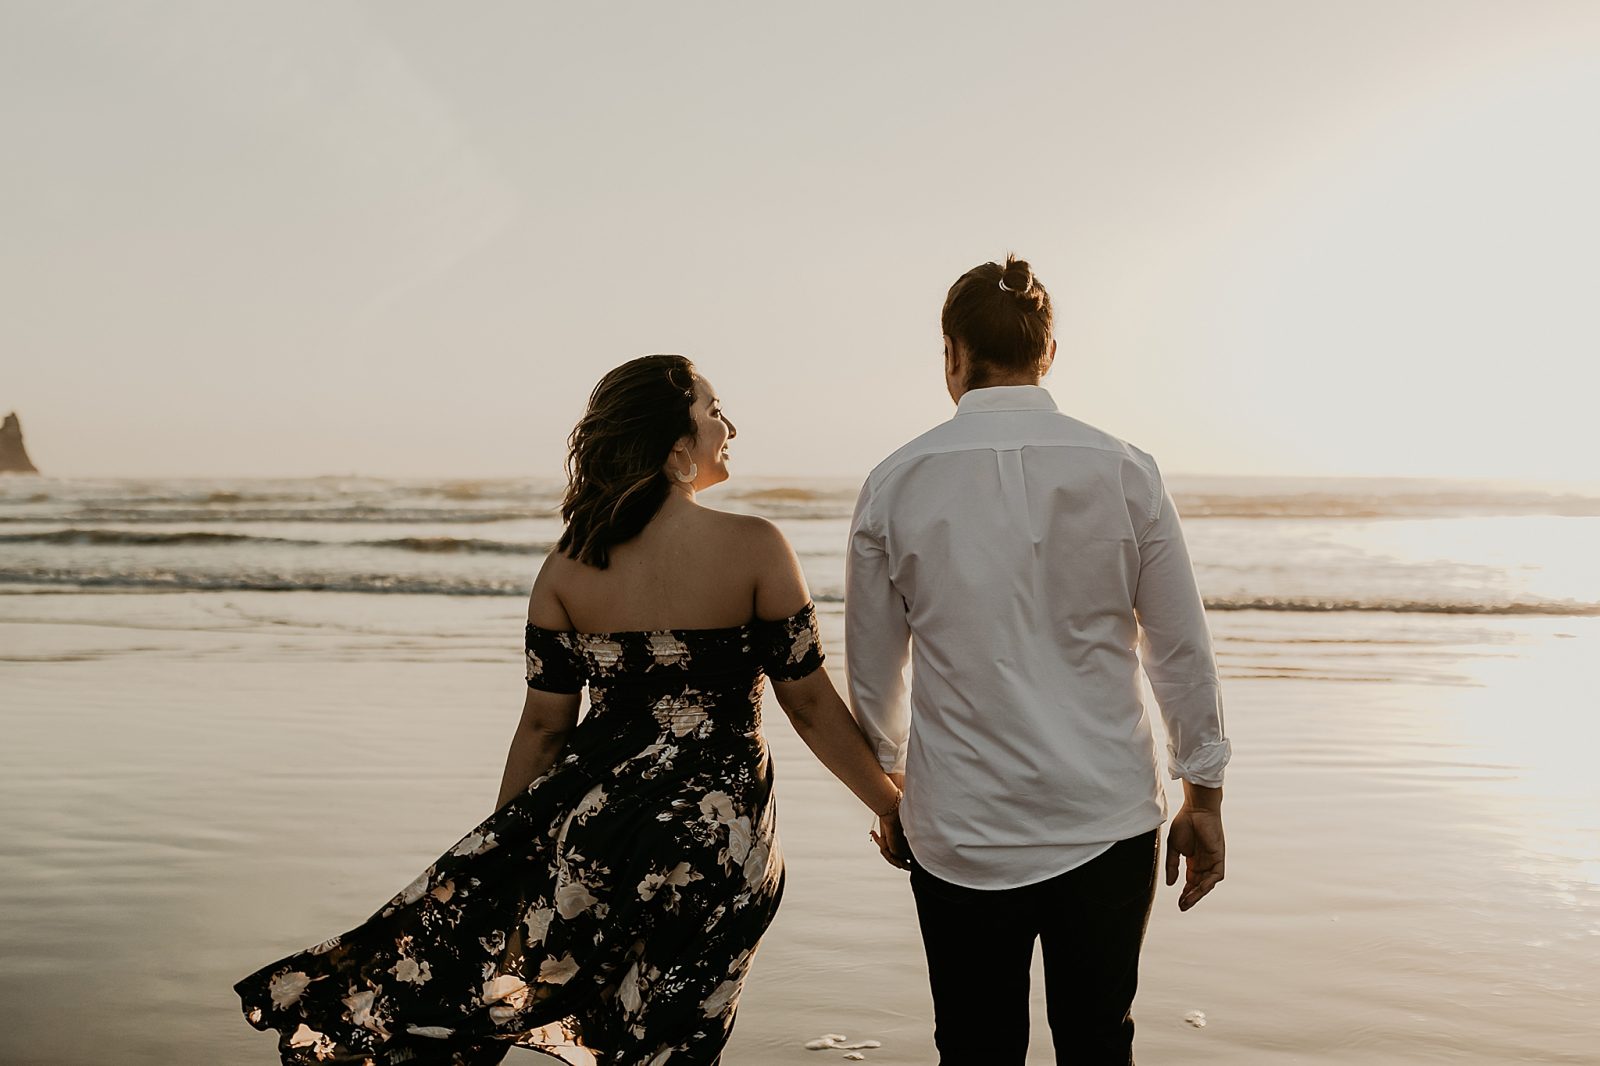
1017	276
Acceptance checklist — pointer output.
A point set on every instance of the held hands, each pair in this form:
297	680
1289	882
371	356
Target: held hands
1196	834
889	836
891	841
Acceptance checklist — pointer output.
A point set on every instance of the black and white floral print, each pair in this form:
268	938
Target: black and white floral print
607	914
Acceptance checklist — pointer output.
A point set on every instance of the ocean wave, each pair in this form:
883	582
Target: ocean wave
354	515
134	538
785	494
181	581
367	514
805	501
1313	505
490	489
355	499
1547	608
461	545
775	503
295	493
128	536
440	585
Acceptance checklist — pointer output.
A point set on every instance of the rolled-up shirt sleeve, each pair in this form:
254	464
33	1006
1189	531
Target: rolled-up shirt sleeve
1175	648
877	641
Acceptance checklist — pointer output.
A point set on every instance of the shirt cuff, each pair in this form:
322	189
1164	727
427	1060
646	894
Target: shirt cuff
1204	765
892	758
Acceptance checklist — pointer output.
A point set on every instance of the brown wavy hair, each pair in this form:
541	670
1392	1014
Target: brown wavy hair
1002	316
615	455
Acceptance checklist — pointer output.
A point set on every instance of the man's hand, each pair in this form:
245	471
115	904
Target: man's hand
890	837
1196	834
891	841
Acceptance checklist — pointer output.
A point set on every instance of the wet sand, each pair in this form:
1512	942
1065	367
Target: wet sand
193	784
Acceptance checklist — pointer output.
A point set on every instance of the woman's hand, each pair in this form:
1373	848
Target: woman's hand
891	841
890	836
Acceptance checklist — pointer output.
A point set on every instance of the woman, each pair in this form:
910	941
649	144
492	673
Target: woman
608	911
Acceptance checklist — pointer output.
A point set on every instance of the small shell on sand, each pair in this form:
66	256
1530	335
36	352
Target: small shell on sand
1196	1018
858	1045
855	1056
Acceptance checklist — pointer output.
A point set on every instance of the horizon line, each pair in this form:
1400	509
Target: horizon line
1465	479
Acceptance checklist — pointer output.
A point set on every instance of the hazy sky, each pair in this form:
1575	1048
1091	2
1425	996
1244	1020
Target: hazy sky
405	238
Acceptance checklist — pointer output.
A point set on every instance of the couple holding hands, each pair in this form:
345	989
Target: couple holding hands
1023	562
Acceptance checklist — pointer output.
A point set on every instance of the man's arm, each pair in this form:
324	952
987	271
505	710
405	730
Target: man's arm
1175	648
877	641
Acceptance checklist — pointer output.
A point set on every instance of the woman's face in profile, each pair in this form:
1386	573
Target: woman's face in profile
713	432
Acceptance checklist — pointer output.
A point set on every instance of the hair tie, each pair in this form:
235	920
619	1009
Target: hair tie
1003	286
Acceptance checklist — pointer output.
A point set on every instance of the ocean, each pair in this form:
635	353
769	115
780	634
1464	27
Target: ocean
239	714
1259	544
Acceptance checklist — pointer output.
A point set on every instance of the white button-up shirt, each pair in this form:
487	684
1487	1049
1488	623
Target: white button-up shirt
1024	561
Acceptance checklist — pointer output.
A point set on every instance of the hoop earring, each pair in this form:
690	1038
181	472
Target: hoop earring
694	472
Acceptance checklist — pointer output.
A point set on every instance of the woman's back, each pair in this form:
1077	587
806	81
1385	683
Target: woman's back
689	568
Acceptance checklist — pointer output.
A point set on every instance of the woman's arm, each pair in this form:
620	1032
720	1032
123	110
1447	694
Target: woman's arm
825	724
547	718
812	703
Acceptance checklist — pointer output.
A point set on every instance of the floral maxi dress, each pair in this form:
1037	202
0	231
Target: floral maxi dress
608	913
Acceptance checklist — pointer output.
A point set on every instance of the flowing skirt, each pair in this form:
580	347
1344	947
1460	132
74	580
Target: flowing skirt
607	914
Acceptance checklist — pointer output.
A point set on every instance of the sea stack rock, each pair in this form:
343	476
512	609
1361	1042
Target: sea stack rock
13	455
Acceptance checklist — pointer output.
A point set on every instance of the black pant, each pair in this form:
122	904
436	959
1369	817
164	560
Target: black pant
1091	921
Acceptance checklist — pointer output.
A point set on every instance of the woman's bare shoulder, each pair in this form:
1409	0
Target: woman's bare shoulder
746	535
545	608
778	585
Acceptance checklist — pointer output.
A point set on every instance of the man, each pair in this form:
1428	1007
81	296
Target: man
1023	561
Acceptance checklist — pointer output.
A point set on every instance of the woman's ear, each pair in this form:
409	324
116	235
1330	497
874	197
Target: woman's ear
678	456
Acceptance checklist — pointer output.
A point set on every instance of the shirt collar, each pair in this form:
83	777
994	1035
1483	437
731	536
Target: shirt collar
1006	398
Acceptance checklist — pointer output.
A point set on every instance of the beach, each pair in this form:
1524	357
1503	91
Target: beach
222	750
313	308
